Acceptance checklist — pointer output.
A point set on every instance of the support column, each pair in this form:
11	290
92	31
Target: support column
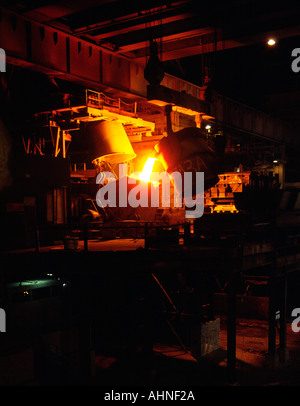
236	252
231	329
272	285
283	350
272	317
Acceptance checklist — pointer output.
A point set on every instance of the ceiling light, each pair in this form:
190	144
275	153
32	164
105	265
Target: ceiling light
208	127
271	42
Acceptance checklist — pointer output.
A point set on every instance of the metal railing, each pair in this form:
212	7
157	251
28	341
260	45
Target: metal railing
100	100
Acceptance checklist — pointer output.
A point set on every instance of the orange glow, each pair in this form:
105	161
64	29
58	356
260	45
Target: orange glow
147	170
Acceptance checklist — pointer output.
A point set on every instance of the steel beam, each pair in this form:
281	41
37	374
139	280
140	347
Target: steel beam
244	119
54	52
114	10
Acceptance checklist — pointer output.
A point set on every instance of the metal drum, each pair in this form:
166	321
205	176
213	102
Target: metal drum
109	142
187	151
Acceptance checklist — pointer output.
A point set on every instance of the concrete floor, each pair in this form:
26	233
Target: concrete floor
171	365
96	244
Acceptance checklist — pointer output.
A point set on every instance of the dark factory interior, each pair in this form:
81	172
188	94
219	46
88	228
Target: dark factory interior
150	194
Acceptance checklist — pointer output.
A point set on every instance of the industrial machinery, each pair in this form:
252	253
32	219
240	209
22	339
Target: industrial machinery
99	134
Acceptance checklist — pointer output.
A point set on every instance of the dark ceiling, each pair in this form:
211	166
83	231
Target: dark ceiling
226	39
183	28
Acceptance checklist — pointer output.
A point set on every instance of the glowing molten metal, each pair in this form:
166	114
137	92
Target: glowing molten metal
147	170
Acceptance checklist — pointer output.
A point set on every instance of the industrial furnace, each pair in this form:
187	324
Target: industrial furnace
98	134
